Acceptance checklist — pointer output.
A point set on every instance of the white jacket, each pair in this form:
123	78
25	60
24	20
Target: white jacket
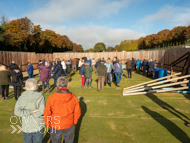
63	65
80	63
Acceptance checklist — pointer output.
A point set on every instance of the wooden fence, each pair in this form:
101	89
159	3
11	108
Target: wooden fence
161	56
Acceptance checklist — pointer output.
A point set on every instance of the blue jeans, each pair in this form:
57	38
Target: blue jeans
56	135
43	83
35	137
118	77
30	75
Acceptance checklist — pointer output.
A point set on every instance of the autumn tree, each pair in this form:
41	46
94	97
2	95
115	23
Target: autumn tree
100	47
187	32
91	50
129	45
177	34
117	48
19	31
162	37
110	49
81	48
141	43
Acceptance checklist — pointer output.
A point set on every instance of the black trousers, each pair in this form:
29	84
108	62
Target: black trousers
129	73
17	89
5	88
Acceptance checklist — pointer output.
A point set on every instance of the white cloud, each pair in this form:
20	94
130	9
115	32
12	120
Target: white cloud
90	35
56	12
66	10
165	13
182	18
176	16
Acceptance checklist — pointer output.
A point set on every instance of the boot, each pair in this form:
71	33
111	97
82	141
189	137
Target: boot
104	84
48	89
43	89
109	84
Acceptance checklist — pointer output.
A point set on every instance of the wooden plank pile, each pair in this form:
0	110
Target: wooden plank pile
160	85
174	82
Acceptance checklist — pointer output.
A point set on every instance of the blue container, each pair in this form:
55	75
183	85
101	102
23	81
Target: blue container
165	72
156	73
162	73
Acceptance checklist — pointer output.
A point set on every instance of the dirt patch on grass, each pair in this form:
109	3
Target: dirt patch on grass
103	102
112	125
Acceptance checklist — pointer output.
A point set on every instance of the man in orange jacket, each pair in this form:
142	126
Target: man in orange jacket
62	112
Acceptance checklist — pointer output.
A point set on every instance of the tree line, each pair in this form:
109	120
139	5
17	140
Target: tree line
23	35
166	38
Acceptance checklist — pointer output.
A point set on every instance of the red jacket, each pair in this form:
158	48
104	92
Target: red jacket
62	110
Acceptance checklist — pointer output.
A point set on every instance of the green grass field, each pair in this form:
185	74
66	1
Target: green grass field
108	117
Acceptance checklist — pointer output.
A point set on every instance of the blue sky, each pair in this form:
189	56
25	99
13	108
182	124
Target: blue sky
87	22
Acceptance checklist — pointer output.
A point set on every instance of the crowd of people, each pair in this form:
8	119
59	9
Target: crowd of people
108	71
62	110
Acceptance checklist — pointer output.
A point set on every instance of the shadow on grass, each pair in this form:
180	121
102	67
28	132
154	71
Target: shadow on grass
170	126
167	107
78	125
150	77
51	88
73	73
186	96
11	94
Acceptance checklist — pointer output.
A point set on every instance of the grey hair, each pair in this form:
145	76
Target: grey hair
31	84
3	68
46	63
62	81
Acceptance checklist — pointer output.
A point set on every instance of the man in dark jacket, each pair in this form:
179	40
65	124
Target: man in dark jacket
74	65
58	71
128	67
133	65
68	68
113	74
97	63
17	84
11	65
30	70
88	74
5	81
117	67
101	70
82	73
144	64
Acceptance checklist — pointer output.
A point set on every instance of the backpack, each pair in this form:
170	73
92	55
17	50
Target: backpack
15	78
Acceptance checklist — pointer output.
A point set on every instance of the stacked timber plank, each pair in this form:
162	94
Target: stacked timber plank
159	85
